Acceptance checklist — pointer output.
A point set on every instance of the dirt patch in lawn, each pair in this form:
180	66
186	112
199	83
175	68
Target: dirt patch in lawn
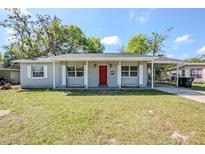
4	112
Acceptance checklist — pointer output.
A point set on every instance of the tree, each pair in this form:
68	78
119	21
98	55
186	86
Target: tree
138	44
94	45
75	39
1	59
200	59
23	36
44	36
156	42
11	53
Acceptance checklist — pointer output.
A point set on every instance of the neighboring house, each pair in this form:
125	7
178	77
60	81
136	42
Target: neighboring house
10	73
195	70
111	70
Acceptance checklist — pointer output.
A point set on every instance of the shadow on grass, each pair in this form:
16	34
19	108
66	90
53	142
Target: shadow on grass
139	92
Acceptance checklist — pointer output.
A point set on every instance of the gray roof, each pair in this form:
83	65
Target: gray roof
99	55
102	56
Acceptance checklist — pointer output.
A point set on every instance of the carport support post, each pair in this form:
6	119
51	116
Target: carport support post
119	74
152	75
177	83
86	75
54	77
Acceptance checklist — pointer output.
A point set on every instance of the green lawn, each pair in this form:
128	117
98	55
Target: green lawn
198	87
131	117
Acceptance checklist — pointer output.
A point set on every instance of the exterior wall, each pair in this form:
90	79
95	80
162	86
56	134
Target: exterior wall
93	74
187	72
36	83
4	74
15	76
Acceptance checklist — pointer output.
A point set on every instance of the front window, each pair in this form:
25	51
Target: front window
192	73
75	71
133	71
71	71
37	71
129	71
125	71
199	73
79	71
183	73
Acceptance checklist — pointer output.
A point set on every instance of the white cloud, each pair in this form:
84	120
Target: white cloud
139	17
184	38
110	40
131	15
201	50
170	55
142	18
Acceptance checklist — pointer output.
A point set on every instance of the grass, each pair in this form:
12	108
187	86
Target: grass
129	117
198	87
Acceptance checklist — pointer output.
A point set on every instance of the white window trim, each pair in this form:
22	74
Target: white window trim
75	72
129	72
37	78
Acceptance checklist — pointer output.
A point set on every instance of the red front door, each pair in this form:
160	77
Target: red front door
103	75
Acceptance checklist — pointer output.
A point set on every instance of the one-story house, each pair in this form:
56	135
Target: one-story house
103	70
10	73
195	70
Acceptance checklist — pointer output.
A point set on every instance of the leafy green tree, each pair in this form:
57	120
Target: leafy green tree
200	59
138	44
94	45
156	42
75	39
12	53
44	36
23	35
1	59
49	32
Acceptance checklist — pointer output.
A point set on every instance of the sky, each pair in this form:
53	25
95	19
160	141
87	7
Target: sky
116	26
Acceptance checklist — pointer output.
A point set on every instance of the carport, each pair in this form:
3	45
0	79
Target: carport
9	73
162	61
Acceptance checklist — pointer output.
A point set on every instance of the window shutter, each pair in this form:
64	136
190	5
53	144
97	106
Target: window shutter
63	75
45	71
141	74
28	71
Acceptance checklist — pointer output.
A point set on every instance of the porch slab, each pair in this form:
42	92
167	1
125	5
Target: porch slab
102	88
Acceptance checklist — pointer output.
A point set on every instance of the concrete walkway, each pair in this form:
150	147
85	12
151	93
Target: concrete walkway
183	92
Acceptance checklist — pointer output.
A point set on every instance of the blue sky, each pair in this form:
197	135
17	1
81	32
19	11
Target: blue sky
116	26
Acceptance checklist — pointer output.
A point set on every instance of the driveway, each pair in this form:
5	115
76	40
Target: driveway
183	92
